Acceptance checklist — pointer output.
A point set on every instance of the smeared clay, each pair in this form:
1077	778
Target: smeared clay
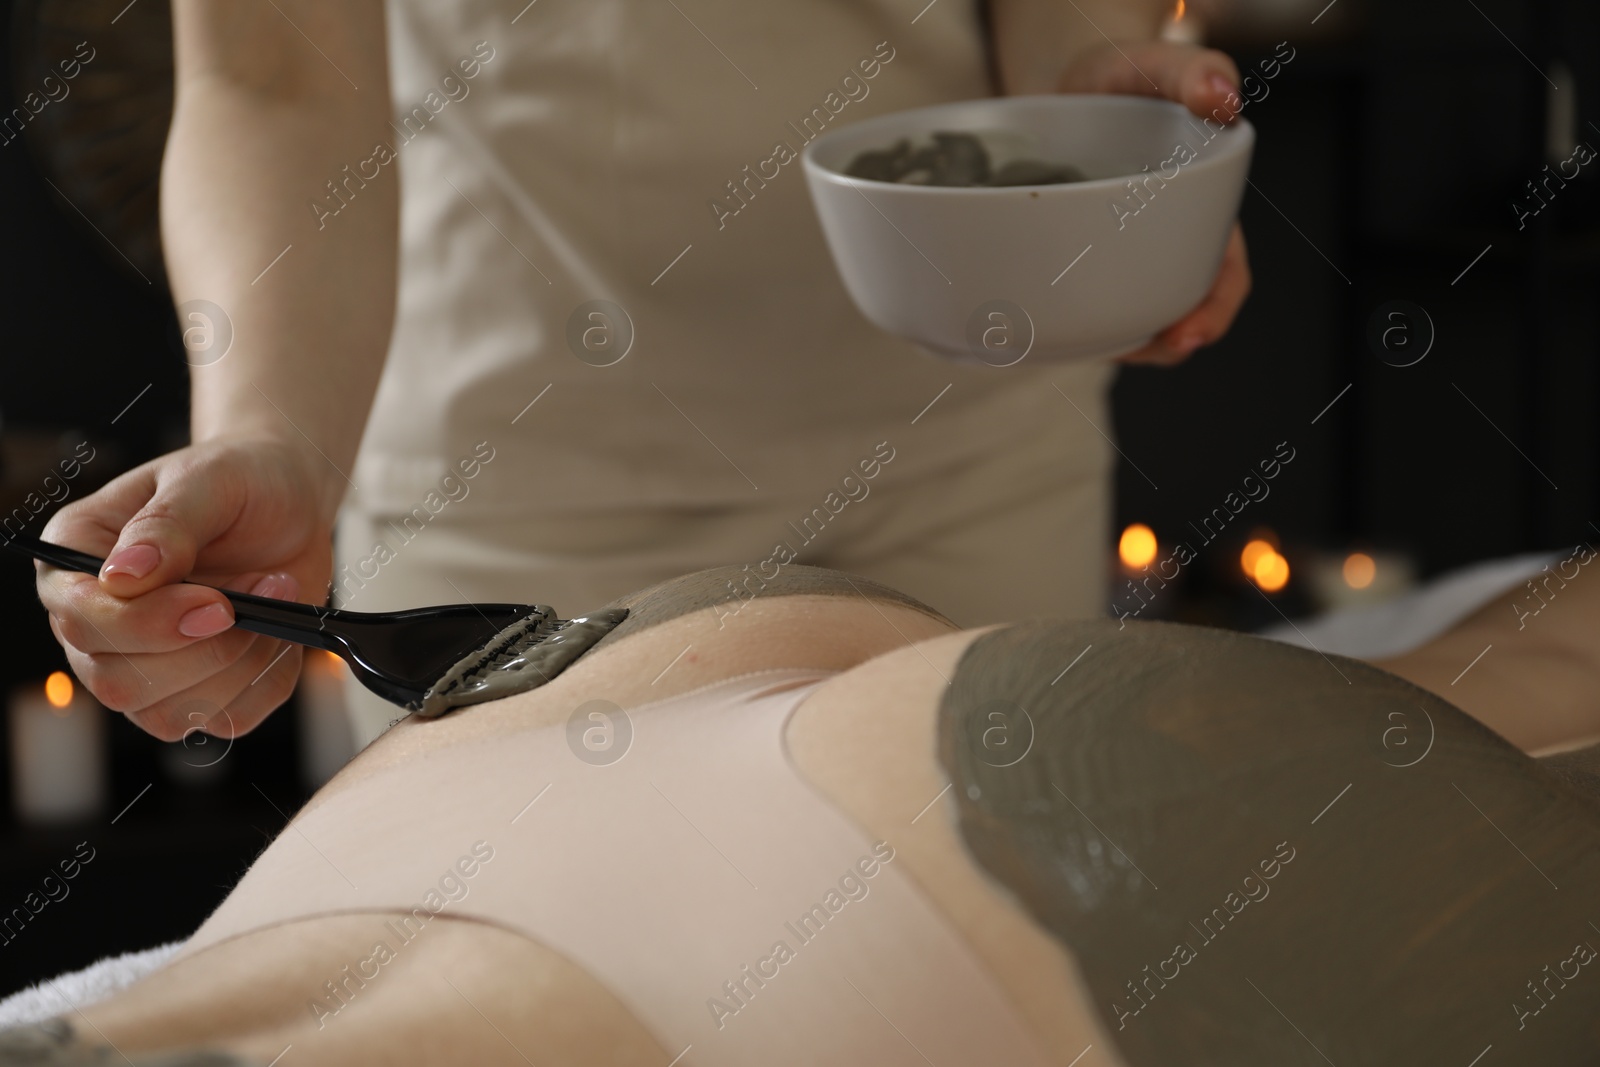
523	656
539	646
1579	769
1350	869
54	1043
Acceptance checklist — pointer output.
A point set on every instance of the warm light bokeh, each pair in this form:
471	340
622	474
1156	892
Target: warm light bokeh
58	689
1359	570
1137	548
1253	553
1177	16
1271	570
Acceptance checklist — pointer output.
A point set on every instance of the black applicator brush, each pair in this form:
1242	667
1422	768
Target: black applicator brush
427	660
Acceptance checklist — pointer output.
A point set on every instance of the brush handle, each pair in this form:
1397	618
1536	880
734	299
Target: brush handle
284	619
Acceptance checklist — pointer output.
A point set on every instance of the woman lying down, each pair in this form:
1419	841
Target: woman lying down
824	826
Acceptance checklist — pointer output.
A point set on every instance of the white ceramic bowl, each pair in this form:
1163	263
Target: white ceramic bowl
1082	271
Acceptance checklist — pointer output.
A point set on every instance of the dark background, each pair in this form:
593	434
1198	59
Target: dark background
1391	151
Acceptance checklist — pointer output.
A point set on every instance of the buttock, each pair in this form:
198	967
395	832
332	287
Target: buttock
1189	837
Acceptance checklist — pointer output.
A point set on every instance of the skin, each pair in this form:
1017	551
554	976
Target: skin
867	739
231	510
1536	685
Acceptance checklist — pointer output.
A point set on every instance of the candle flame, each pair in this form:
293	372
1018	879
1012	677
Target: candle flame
58	689
1253	553
1137	548
1177	16
1271	571
1261	561
1359	570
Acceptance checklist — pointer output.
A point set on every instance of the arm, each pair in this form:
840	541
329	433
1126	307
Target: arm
274	99
268	111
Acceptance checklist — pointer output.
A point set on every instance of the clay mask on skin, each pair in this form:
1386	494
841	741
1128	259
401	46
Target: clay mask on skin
523	656
539	646
1258	855
55	1043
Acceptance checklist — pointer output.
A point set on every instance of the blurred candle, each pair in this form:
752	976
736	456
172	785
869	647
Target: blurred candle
1359	570
1253	552
1270	570
1182	27
1137	547
326	739
58	756
1360	579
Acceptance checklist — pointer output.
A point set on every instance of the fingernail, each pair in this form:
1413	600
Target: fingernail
277	586
135	561
1186	344
1222	85
203	622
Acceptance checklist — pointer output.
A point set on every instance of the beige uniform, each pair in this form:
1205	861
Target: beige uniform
725	402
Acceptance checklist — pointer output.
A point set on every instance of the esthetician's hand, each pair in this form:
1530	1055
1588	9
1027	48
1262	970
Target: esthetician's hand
230	514
1206	82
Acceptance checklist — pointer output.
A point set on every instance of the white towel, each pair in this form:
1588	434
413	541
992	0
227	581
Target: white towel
95	982
1397	626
